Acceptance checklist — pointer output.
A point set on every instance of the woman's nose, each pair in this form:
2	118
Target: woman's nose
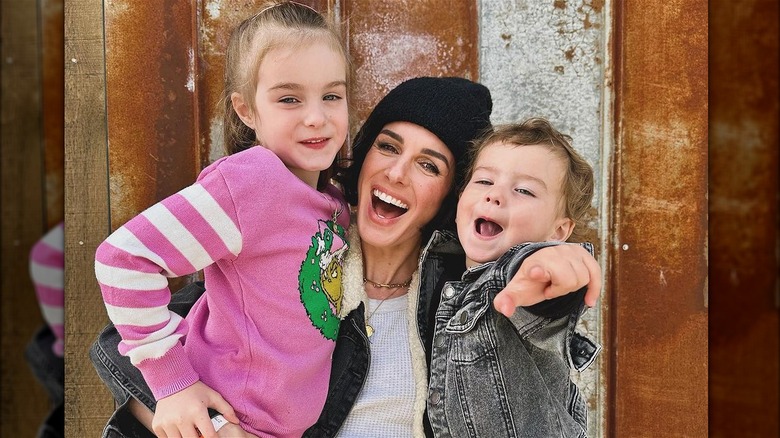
396	172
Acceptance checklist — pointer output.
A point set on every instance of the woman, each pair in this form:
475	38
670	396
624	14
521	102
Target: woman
408	159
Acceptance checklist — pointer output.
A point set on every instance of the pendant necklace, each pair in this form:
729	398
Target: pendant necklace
396	286
336	210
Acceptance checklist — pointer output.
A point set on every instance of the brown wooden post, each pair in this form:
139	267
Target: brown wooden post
24	402
86	213
52	33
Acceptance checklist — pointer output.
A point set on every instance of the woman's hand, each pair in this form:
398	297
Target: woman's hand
548	273
179	414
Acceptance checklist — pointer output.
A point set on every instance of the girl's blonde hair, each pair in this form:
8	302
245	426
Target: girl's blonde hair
577	182
279	23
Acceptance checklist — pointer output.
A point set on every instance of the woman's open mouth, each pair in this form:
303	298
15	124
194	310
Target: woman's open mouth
386	206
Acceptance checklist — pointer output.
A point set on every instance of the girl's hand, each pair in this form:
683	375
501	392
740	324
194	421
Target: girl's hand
179	414
548	273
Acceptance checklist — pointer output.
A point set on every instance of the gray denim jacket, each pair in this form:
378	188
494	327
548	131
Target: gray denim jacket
492	376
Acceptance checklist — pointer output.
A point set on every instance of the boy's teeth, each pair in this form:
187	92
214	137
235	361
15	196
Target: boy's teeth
390	200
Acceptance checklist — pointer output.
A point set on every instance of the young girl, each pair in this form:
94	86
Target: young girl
267	229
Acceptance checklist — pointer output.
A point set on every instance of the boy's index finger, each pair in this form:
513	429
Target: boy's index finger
594	281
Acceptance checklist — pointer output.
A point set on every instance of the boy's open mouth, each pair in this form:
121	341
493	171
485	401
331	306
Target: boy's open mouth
386	206
487	228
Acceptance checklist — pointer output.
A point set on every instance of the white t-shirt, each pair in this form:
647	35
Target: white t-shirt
385	405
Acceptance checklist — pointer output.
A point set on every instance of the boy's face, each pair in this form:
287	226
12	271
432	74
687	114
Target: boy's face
514	196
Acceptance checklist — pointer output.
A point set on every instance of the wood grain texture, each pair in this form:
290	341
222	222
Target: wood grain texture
24	403
86	213
52	33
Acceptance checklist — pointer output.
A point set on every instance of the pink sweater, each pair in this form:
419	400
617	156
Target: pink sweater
47	261
263	333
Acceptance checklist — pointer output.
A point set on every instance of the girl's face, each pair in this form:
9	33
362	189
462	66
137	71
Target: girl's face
300	107
406	175
514	196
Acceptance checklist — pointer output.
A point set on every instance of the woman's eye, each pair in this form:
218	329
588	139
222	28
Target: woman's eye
332	97
386	147
430	167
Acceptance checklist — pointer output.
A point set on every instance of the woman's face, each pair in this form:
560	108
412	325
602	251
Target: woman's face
406	175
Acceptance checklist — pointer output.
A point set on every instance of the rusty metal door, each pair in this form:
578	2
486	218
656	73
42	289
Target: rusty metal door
743	220
628	80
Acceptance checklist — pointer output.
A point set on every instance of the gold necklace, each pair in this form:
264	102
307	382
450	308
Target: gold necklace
396	286
388	285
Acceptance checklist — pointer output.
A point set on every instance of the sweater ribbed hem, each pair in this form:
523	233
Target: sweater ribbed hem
170	373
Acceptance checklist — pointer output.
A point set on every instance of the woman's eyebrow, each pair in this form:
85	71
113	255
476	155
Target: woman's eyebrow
390	133
437	154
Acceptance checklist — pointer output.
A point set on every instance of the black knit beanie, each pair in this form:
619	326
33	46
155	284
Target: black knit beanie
456	110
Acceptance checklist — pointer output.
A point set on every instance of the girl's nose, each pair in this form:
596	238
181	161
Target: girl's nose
315	116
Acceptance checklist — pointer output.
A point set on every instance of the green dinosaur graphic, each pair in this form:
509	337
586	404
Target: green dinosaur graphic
319	280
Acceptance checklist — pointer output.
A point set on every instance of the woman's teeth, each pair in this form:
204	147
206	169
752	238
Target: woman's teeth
389	199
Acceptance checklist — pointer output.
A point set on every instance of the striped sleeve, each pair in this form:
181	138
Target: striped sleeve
47	261
178	236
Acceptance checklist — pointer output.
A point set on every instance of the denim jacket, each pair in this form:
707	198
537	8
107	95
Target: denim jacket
493	376
441	260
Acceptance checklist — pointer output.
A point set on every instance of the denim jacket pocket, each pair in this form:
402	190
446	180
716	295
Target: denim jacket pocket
582	351
465	319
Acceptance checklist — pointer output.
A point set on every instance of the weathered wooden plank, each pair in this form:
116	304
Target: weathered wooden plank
86	213
52	33
24	403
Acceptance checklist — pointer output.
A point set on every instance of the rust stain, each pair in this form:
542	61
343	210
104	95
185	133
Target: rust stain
659	386
570	27
586	9
743	220
391	44
659	314
559	4
597	6
149	61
